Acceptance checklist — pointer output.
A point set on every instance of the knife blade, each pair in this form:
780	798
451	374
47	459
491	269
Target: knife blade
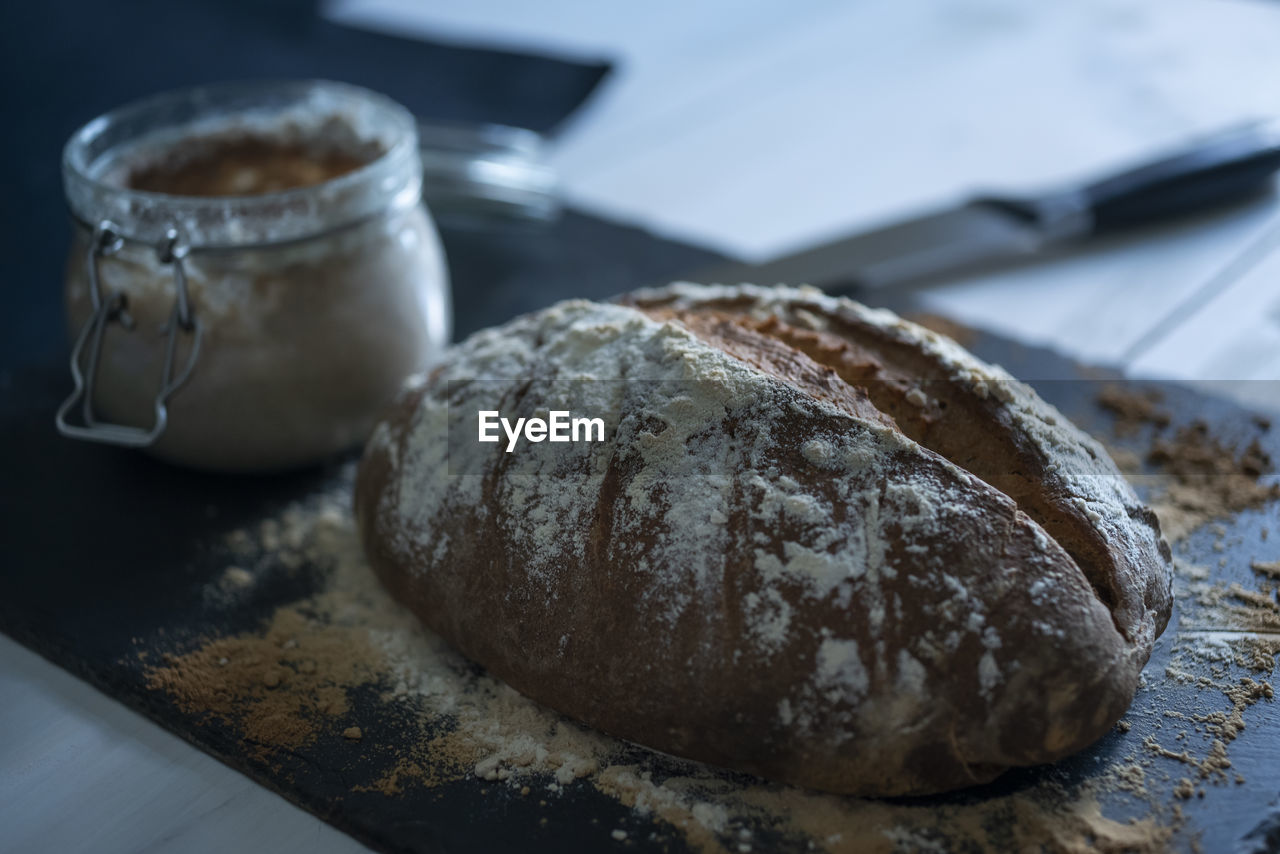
1226	167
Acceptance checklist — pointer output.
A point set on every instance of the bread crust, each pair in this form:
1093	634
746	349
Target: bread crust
772	565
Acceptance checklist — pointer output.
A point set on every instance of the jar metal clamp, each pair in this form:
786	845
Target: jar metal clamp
107	241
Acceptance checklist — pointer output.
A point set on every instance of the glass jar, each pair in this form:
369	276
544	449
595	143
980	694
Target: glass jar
482	175
253	331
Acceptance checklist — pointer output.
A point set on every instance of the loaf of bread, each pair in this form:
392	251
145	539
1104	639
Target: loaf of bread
818	543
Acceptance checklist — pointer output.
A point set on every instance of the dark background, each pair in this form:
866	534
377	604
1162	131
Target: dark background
64	62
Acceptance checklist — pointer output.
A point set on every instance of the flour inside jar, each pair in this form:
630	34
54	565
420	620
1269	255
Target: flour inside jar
248	165
287	220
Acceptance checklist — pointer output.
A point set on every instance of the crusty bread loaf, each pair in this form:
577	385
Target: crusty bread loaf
820	544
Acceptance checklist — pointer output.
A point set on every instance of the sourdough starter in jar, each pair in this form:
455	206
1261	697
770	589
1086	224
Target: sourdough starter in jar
313	270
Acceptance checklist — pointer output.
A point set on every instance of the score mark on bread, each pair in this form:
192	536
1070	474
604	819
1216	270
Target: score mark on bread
823	545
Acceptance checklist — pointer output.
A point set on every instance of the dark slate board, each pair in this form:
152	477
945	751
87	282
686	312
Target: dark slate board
104	547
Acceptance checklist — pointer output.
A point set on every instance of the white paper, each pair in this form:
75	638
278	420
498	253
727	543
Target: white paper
760	128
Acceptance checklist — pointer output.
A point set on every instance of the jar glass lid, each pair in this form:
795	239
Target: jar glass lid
482	174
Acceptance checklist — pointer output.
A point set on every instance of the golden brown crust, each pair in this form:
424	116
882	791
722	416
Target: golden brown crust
975	432
839	607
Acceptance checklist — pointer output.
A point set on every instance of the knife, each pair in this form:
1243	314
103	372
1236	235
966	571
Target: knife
1229	166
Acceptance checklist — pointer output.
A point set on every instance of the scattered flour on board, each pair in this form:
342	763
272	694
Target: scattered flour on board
288	686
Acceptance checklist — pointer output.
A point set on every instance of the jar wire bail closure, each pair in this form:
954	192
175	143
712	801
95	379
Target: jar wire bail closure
107	241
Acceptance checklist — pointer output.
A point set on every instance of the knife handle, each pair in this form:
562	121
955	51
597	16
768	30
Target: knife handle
1226	167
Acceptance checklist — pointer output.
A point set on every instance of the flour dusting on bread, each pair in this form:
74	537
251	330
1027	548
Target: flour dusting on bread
804	590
